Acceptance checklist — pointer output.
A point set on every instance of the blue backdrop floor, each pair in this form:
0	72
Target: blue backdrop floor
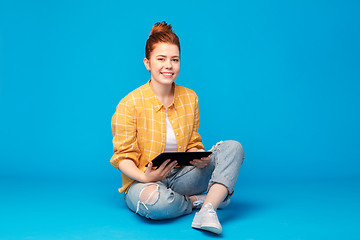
58	209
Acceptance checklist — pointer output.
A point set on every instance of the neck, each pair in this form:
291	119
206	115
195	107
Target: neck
165	93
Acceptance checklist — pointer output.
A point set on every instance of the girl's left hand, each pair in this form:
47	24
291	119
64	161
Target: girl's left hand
201	163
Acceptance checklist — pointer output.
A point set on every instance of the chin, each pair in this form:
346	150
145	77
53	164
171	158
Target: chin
167	81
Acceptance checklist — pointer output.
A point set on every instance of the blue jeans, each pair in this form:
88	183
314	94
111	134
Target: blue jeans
173	192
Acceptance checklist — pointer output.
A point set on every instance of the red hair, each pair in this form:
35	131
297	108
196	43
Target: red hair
161	32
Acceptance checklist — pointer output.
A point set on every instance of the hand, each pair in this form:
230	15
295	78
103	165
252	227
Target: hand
201	163
154	175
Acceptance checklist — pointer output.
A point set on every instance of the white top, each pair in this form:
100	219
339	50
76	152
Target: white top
171	144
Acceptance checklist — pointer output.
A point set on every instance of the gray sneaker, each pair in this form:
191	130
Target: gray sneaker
206	219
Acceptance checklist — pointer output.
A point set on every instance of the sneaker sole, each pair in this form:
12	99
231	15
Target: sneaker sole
208	228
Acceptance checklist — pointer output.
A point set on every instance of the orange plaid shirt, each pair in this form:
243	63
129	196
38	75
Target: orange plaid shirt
139	126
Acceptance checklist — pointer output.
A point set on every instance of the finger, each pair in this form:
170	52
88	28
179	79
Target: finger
206	161
166	169
163	165
149	167
170	167
199	163
195	162
165	172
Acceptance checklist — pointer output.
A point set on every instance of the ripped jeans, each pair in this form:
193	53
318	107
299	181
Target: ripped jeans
169	198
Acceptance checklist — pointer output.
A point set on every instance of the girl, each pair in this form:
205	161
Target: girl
161	116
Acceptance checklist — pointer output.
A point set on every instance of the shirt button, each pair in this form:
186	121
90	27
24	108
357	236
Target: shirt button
177	134
179	146
172	121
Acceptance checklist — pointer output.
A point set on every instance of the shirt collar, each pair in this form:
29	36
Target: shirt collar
157	105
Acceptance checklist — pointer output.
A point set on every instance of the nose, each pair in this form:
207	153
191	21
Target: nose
168	64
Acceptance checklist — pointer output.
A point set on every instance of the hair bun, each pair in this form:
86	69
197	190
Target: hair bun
161	32
161	27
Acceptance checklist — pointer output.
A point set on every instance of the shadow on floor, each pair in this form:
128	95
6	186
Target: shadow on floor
240	209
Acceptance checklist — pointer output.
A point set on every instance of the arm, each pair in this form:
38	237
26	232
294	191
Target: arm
195	139
123	126
194	149
129	168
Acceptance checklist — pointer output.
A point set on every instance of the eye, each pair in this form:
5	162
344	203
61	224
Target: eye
176	60
161	59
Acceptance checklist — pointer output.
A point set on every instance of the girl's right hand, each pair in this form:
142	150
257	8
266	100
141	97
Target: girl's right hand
154	175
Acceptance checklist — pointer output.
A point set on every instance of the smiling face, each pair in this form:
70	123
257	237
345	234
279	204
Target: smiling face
164	63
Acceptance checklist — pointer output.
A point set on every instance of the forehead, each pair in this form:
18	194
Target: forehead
166	49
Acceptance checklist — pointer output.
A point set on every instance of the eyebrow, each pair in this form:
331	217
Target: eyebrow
166	56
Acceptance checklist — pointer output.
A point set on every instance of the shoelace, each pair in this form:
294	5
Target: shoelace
211	210
197	203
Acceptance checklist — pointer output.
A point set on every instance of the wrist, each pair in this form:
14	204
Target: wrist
143	178
193	149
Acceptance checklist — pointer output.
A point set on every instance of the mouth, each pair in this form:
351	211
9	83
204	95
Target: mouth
167	74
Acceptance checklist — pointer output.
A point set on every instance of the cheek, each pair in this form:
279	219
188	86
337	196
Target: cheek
178	68
153	68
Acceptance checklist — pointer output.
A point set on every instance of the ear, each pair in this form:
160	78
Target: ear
147	64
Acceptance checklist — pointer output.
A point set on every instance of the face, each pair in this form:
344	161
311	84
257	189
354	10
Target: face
164	63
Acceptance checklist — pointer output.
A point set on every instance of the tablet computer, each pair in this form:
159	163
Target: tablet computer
182	158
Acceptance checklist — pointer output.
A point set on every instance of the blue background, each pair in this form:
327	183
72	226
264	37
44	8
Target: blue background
281	77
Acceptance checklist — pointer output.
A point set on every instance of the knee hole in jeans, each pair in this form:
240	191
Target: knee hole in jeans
150	194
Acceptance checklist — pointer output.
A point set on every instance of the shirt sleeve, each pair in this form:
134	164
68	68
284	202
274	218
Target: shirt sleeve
123	126
195	140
